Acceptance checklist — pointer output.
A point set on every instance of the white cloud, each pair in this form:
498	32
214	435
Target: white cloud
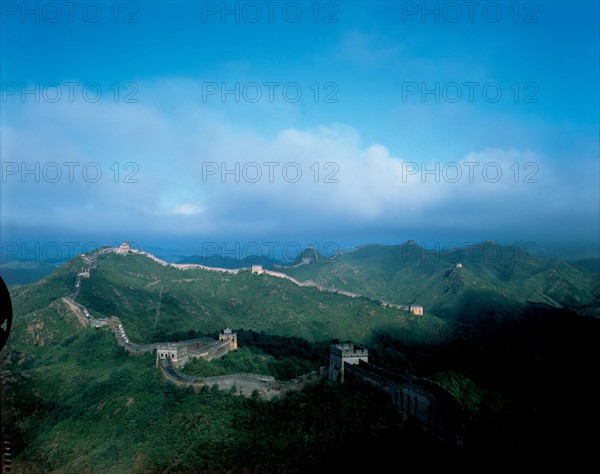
188	209
184	170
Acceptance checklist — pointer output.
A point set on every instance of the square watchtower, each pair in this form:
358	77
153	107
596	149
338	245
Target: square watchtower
339	354
229	335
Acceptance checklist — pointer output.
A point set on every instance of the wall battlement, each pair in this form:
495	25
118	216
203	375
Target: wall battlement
179	353
349	350
342	354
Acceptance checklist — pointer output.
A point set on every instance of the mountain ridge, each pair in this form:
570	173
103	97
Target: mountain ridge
154	298
411	273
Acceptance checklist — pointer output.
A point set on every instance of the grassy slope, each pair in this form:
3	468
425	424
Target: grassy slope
73	401
155	302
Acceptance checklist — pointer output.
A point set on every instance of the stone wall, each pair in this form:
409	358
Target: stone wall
245	383
257	269
134	349
427	402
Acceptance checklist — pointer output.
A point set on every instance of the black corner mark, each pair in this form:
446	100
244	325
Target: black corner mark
5	313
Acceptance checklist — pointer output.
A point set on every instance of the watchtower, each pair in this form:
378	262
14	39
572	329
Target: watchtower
258	269
229	335
176	351
340	354
123	248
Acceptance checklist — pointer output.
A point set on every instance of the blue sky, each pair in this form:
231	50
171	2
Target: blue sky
377	121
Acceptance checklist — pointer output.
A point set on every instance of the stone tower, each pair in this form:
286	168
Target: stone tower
229	335
339	354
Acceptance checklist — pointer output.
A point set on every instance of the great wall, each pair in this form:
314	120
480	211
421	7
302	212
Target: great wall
125	248
170	356
427	402
436	410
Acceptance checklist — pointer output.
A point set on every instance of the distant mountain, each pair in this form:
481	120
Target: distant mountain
309	255
469	284
479	284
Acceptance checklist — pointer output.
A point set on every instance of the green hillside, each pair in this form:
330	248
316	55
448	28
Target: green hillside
75	401
84	406
492	279
156	302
